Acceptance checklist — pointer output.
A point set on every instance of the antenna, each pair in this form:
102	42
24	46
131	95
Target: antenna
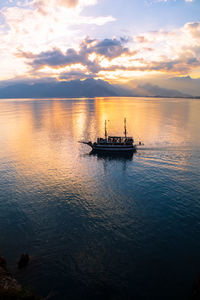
125	131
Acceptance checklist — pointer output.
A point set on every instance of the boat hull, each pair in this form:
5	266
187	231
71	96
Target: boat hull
113	148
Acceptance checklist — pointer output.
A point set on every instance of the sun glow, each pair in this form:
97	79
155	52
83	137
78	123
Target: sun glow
60	70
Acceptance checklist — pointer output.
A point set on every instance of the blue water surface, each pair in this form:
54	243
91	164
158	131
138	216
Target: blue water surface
101	226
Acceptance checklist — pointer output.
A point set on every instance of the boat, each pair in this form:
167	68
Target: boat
113	143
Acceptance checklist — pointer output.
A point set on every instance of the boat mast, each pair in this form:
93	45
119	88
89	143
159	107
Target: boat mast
105	131
125	131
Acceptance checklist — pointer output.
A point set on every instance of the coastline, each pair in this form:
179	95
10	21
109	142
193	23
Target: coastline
96	97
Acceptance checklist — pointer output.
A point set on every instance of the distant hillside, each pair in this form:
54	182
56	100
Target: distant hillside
88	88
155	90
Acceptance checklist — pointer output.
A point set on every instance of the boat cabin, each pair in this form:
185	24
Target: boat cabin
116	140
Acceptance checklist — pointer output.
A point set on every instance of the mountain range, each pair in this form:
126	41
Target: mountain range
88	88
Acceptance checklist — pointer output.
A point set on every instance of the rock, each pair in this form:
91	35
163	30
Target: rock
23	261
196	289
10	289
6	279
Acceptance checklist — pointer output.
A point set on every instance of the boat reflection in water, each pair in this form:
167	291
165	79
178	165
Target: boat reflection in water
107	158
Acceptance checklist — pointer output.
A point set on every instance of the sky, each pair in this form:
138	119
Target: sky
115	40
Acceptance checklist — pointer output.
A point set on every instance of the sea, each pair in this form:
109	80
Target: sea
101	226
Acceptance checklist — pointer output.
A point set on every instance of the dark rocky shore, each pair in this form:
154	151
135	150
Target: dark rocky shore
196	289
10	289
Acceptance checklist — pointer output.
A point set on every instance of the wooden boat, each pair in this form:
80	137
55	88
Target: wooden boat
113	143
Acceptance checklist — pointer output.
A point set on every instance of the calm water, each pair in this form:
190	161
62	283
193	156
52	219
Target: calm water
101	227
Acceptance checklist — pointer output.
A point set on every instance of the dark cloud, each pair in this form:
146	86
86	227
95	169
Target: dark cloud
55	58
109	48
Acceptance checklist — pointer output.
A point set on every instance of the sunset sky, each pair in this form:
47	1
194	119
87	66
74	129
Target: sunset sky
114	40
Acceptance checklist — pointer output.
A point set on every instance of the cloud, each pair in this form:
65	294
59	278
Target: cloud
90	54
43	6
54	44
52	58
150	2
141	39
193	29
40	4
178	49
41	23
109	47
39	26
168	52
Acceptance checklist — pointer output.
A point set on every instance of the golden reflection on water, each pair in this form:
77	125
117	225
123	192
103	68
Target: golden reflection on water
155	121
44	134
